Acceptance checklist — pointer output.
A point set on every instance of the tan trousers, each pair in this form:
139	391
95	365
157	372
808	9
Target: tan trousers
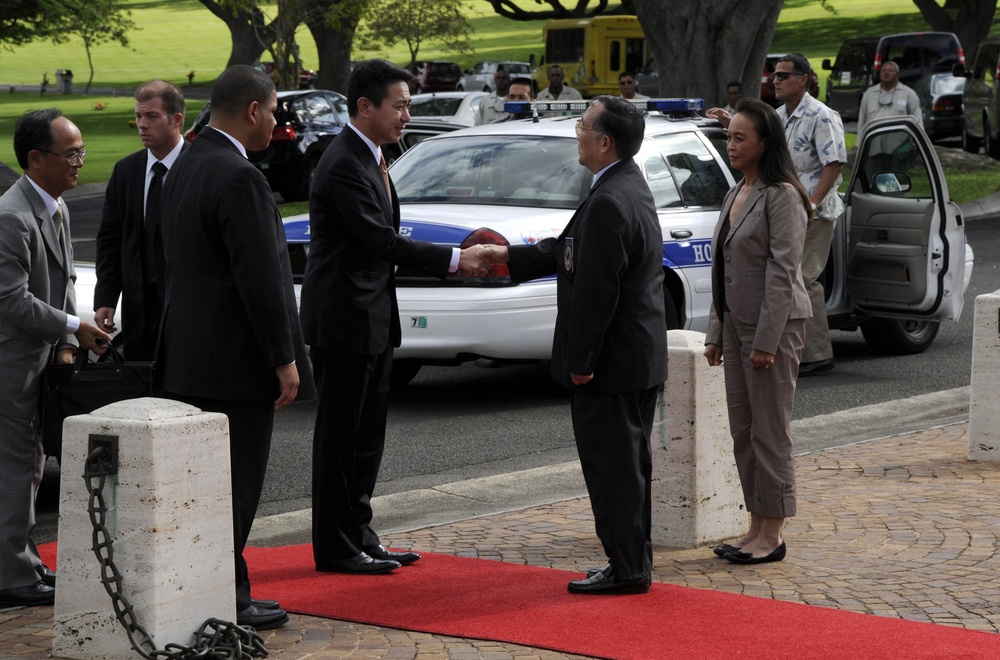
814	256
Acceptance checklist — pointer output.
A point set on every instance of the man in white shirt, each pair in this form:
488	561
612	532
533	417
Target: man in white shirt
890	98
491	107
557	91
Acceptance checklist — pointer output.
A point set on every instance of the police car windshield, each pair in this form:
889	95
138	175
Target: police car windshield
535	171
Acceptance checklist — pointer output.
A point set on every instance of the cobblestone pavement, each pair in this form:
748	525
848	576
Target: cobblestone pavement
902	527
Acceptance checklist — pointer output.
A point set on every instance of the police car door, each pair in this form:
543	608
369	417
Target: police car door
906	247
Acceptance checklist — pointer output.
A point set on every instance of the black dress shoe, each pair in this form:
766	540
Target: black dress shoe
361	563
385	554
747	558
725	549
265	604
37	594
607	583
262	619
817	367
47	575
594	571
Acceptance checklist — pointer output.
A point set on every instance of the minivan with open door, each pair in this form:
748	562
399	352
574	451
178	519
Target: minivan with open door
981	100
902	246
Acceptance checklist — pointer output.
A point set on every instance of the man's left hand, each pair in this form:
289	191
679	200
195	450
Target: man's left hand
580	380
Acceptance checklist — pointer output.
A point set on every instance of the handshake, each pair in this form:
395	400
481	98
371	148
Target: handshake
477	260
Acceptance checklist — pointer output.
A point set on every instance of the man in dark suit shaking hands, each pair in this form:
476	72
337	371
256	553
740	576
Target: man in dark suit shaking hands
350	317
129	249
610	343
230	339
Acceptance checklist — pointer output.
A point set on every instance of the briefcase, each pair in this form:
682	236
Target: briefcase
84	386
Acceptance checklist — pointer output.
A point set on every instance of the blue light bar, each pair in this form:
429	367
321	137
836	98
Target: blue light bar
546	106
676	105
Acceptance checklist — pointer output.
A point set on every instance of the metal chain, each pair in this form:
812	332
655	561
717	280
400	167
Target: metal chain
215	639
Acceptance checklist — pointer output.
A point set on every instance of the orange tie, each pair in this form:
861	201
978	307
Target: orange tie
385	176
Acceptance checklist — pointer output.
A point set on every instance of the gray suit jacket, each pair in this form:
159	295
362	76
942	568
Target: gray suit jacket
762	263
36	293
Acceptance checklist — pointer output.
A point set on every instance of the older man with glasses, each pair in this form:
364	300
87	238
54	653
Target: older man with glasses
890	98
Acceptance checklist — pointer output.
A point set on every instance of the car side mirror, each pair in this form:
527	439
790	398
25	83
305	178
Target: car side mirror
958	70
826	65
892	182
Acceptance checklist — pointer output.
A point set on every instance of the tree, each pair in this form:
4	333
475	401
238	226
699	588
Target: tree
95	22
700	46
248	28
414	22
509	9
22	21
332	24
970	20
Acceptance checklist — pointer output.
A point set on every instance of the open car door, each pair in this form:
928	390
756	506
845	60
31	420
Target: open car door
906	247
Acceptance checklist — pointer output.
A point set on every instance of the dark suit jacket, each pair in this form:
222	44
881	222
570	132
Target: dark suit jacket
762	259
120	243
349	293
229	316
609	271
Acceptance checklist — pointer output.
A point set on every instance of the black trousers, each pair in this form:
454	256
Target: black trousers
348	442
140	344
613	439
250	424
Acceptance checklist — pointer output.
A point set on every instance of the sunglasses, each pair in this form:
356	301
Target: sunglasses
785	75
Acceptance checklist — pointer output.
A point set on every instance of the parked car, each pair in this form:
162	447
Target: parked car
767	81
307	77
482	75
940	97
433	76
518	182
647	81
981	100
453	107
306	123
850	75
918	54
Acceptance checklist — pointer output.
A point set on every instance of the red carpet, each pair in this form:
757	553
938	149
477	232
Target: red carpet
482	599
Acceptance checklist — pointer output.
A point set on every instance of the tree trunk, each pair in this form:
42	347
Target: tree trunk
249	34
970	20
701	46
333	47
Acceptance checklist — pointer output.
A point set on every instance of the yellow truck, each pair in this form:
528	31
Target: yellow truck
592	52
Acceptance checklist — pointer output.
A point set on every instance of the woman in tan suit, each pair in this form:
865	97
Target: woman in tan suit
756	326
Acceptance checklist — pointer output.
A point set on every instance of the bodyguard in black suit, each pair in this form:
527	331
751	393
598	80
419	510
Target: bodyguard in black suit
350	317
610	343
230	339
129	248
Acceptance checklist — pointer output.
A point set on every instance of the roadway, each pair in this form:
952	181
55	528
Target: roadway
480	420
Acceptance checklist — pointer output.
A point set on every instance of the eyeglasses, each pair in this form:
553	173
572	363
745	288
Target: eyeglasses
580	128
626	82
785	75
72	157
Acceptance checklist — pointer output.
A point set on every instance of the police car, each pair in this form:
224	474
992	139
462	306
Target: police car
899	263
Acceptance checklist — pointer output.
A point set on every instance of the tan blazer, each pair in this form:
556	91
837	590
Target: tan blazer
763	263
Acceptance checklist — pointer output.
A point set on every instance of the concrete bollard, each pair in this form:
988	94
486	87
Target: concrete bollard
170	519
984	415
697	497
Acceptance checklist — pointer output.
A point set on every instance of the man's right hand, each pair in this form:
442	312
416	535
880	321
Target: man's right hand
86	335
104	317
719	115
288	381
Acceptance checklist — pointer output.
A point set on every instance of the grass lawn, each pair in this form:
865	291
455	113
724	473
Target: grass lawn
174	37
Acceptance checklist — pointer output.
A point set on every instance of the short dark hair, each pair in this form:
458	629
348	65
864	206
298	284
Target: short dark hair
735	84
370	79
626	73
521	80
237	87
798	61
622	122
32	131
169	94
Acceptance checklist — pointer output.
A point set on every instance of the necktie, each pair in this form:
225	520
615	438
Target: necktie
385	176
57	219
152	222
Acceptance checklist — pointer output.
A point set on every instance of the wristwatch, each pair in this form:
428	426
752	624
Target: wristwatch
813	205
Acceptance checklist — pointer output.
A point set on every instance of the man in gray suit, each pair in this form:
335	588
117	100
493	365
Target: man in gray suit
38	323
